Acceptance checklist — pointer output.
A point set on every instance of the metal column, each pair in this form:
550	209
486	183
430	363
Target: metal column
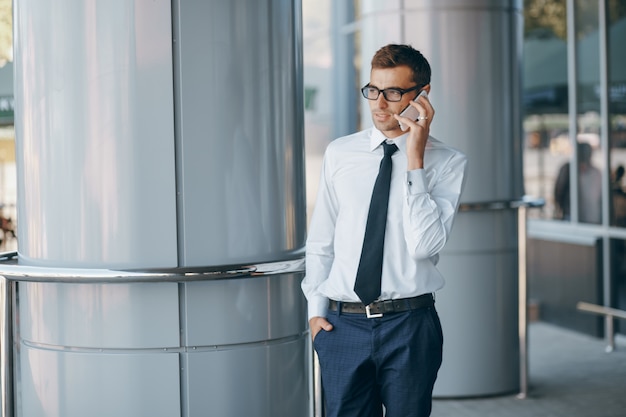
474	48
159	148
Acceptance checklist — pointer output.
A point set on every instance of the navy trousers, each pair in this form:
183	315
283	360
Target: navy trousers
390	361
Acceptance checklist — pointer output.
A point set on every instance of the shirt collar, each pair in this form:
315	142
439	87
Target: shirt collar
377	138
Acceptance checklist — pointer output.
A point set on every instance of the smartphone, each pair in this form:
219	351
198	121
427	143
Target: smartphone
411	112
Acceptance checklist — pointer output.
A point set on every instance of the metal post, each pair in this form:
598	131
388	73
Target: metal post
318	404
610	334
6	348
523	302
610	314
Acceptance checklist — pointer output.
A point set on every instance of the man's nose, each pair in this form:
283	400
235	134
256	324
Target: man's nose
382	103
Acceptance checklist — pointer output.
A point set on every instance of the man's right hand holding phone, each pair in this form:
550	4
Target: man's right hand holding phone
419	128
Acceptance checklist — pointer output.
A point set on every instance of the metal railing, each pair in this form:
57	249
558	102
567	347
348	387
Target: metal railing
11	273
610	314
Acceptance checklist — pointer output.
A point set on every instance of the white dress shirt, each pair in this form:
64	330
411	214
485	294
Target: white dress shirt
422	204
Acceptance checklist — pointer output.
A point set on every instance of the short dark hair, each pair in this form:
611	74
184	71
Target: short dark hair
390	56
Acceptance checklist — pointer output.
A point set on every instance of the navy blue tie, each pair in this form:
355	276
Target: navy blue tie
368	275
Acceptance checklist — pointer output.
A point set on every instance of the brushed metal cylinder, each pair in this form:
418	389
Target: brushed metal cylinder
94	122
162	136
240	126
474	48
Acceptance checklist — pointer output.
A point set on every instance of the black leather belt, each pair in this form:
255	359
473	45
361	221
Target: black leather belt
378	308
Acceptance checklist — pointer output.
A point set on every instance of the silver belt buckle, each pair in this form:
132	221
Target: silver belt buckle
370	315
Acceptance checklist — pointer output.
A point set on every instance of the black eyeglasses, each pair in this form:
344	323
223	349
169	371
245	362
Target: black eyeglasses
391	94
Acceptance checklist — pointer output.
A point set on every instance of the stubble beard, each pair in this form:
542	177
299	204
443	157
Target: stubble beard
390	125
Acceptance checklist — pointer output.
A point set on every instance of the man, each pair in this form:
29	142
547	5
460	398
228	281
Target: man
385	352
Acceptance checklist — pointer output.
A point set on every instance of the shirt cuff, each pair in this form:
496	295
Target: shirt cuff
416	182
317	306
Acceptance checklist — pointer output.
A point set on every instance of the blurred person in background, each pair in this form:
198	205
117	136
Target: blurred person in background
589	189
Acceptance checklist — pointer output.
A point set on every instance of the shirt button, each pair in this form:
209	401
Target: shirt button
410	183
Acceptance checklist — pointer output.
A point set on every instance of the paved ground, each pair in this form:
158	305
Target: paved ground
570	375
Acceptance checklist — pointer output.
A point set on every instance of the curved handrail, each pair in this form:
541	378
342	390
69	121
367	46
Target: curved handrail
502	204
13	271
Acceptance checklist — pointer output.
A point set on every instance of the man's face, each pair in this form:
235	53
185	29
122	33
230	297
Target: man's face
382	110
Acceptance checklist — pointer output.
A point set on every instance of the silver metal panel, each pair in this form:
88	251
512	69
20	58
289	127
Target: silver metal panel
70	384
270	380
240	131
479	316
94	129
472	88
244	310
497	231
100	315
479	306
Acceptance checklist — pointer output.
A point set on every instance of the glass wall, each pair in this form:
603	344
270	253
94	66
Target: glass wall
589	166
546	130
617	148
549	147
617	112
575	127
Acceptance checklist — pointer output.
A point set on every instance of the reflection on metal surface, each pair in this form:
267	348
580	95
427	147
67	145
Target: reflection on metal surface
501	204
241	171
12	270
6	351
95	117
